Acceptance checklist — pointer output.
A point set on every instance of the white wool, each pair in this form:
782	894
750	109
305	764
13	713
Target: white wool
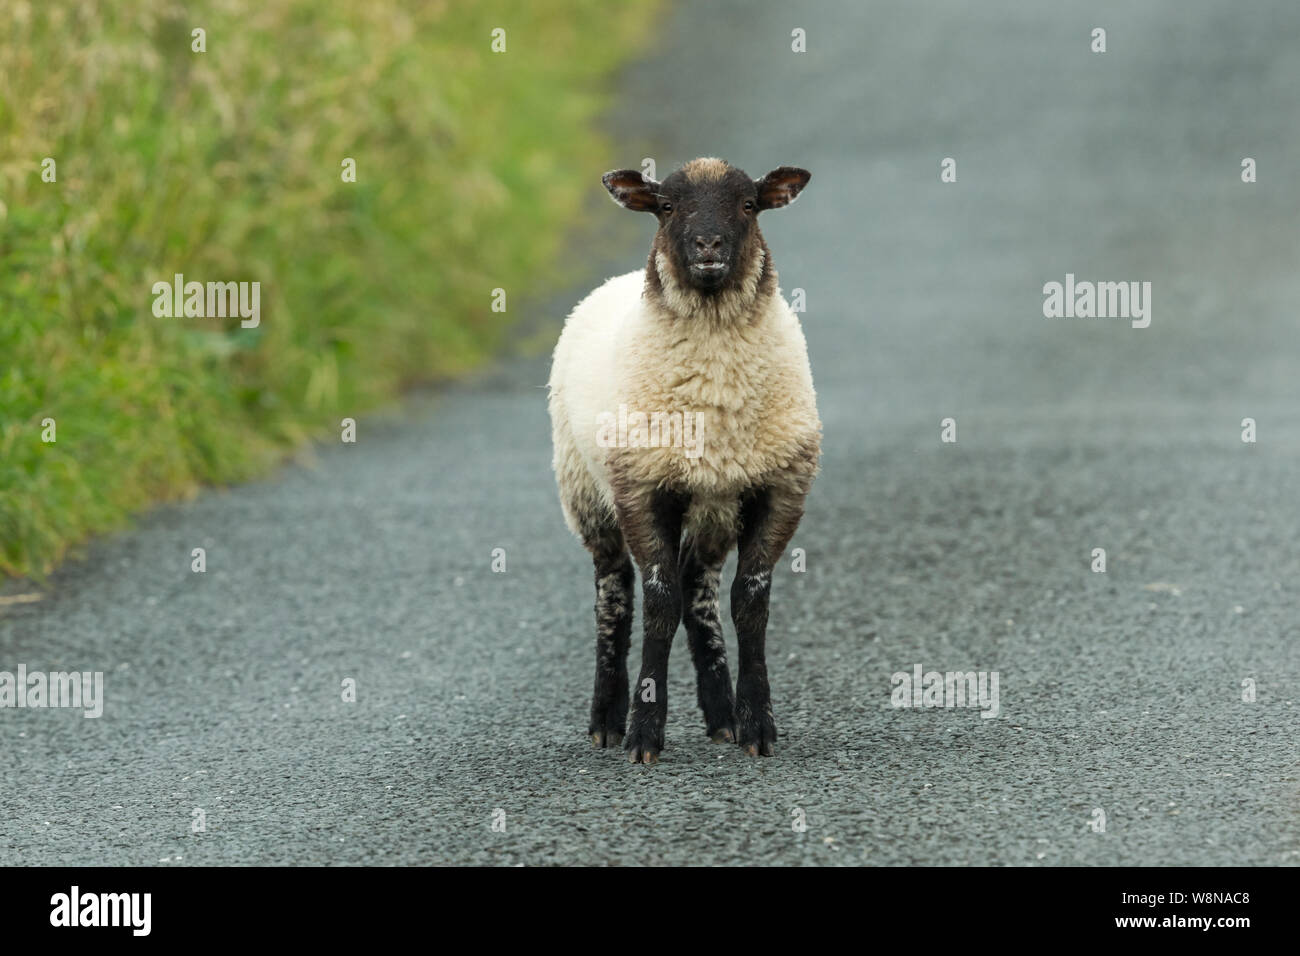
743	371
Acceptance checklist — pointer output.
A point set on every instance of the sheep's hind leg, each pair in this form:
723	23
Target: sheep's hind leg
768	518
614	584
701	566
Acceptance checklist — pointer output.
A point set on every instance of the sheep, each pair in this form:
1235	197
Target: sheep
700	337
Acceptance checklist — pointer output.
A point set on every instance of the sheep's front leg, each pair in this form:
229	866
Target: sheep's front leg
701	566
652	526
768	518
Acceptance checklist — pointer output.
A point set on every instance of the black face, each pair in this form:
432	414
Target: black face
708	215
705	222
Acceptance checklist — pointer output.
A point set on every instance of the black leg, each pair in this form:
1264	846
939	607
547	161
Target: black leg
614	584
652	524
768	519
701	565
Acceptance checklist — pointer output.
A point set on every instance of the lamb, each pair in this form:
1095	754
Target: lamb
702	337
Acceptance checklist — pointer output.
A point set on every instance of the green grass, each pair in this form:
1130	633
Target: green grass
225	166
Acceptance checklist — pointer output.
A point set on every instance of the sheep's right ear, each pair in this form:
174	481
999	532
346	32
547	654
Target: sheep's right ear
781	186
631	190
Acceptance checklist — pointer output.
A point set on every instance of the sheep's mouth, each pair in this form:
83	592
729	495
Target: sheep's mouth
708	271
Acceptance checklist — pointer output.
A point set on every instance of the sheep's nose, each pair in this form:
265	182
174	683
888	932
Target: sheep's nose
708	245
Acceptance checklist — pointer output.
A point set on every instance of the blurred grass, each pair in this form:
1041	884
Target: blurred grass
225	166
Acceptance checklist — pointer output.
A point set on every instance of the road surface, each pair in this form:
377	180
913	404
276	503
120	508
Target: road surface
1120	693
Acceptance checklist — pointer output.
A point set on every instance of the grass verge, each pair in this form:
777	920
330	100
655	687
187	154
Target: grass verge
226	165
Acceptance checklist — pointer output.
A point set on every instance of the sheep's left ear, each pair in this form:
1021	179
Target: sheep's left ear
780	187
631	190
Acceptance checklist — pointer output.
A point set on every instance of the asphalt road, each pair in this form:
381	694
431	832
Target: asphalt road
1119	691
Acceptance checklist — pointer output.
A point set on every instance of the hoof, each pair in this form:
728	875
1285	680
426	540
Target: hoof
606	739
723	736
643	755
643	741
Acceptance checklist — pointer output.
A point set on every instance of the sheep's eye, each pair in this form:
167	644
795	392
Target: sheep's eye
749	205
666	206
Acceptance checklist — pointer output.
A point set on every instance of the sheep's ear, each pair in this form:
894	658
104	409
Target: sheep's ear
631	190
780	187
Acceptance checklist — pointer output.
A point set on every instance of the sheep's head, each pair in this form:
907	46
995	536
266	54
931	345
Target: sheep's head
707	213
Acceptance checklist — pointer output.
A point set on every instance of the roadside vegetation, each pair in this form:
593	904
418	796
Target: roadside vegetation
227	165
